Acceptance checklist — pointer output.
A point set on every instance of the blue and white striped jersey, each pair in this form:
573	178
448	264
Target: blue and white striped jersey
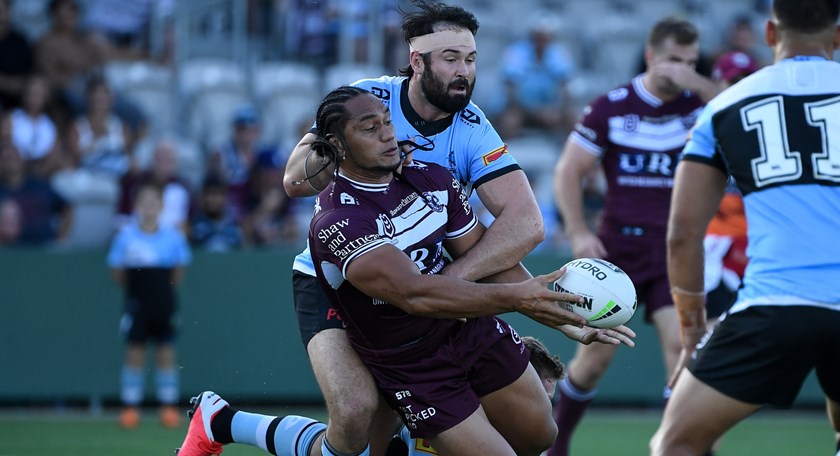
777	133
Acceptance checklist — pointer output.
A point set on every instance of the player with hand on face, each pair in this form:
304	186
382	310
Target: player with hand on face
775	134
634	132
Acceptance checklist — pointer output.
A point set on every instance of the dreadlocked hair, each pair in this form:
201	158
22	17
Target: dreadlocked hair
331	118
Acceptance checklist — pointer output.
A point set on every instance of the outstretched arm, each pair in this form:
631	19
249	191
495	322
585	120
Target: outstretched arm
387	273
517	230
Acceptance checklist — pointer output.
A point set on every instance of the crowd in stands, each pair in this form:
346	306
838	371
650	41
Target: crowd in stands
74	146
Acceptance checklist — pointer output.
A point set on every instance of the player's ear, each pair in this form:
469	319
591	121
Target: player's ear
770	31
416	61
648	57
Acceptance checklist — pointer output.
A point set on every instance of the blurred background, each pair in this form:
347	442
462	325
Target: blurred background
207	98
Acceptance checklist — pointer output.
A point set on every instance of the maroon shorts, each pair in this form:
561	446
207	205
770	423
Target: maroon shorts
645	259
438	389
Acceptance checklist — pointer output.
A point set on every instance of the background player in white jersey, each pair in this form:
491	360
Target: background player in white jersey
776	133
635	133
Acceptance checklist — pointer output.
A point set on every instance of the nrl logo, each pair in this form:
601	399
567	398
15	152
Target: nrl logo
384	226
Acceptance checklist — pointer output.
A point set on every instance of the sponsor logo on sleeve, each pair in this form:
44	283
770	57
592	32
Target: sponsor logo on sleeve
384	226
586	132
381	93
470	117
494	155
618	94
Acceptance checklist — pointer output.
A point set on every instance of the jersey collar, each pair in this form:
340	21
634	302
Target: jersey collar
644	94
365	186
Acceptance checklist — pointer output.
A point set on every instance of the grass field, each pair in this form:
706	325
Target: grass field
604	432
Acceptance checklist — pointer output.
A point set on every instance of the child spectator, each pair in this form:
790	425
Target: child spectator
147	260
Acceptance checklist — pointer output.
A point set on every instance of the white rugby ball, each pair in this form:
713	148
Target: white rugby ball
609	294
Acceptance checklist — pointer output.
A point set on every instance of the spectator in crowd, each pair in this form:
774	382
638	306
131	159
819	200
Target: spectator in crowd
98	141
123	28
11	222
234	160
65	54
163	172
147	260
212	227
68	56
33	132
268	220
46	215
535	72
16	61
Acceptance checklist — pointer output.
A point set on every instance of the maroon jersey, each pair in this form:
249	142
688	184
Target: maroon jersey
353	218
638	138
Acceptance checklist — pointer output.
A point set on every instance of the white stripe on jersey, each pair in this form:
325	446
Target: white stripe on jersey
463	231
373	245
586	144
648	136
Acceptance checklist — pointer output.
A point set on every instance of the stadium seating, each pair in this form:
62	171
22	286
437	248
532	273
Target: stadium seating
150	87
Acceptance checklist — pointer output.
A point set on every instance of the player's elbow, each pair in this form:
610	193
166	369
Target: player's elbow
680	236
292	187
534	232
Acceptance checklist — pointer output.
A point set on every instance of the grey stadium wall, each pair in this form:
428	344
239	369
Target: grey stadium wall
59	341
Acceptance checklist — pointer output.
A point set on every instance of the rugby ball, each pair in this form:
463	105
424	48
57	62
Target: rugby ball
608	293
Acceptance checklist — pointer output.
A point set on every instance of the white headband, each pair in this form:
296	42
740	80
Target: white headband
442	40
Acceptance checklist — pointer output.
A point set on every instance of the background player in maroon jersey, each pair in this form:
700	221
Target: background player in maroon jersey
635	133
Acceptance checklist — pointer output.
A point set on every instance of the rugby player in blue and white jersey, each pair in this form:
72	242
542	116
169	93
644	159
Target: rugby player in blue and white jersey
429	104
776	133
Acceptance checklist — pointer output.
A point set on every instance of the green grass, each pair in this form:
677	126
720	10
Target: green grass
603	432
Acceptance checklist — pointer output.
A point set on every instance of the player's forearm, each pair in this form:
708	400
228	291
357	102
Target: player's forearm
513	235
515	274
301	162
440	296
685	272
568	194
705	88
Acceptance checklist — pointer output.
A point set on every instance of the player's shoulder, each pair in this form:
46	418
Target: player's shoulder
428	170
612	99
472	116
383	87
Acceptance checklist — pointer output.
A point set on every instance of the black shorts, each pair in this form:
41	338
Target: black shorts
719	300
148	322
763	354
314	311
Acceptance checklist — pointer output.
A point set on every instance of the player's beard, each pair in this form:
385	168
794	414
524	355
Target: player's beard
437	92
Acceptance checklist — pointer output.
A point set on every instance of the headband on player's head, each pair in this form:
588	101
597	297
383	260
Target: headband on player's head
442	40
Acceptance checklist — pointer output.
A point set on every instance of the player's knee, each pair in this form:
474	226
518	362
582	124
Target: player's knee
354	413
668	442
